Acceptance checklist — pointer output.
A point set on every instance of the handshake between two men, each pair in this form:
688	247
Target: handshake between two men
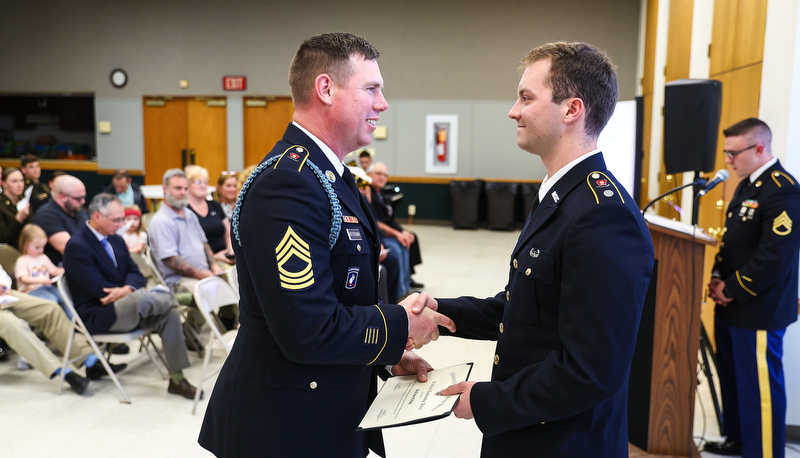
423	327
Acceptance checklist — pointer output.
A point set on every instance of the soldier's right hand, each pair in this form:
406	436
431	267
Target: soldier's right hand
424	324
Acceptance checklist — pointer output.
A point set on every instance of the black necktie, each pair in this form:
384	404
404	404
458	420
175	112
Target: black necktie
350	181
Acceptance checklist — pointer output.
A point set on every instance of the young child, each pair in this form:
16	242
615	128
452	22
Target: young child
34	269
135	237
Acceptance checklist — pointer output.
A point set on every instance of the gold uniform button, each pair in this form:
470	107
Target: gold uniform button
496	360
744	218
501	328
516	264
528	272
721	244
313	385
542	422
508	296
358	247
730	214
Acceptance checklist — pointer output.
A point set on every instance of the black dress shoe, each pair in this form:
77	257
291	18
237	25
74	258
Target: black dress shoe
726	448
120	349
97	371
183	388
77	382
415	284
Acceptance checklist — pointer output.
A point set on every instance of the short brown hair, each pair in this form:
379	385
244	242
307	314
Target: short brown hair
28	159
747	126
327	53
583	71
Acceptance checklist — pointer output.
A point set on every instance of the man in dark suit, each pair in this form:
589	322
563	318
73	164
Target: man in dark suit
566	323
754	284
109	291
314	335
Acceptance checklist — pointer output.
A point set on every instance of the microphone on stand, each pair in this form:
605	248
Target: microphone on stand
719	177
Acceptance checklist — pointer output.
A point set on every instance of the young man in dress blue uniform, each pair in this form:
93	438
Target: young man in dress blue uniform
754	284
314	335
567	320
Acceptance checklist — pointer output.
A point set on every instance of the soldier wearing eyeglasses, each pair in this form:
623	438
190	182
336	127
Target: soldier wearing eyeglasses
754	284
63	216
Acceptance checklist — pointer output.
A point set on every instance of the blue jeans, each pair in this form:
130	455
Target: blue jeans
398	256
51	293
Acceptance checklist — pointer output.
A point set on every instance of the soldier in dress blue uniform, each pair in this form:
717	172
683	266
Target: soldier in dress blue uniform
754	284
314	335
566	322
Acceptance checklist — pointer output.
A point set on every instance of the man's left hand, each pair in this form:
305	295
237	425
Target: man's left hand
412	363
463	408
115	294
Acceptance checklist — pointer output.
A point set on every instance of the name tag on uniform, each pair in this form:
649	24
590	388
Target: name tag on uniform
354	234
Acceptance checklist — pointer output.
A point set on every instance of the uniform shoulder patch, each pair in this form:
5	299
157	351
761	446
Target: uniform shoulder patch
781	178
294	157
295	266
603	187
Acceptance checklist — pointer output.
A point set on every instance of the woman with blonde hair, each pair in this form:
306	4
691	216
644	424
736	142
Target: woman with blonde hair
212	218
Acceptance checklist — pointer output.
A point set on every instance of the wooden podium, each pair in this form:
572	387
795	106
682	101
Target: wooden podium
663	378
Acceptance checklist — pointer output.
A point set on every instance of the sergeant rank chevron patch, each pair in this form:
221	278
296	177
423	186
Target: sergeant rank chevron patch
293	256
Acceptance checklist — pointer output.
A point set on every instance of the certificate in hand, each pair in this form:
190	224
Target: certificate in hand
404	400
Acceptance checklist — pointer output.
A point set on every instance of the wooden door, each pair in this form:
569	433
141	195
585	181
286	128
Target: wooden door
175	124
208	134
165	135
265	120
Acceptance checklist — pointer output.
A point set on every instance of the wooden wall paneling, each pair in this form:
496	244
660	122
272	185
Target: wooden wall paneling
647	104
651	26
208	134
751	22
723	36
679	39
165	136
264	126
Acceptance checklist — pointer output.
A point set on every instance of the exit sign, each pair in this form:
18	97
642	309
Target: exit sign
234	83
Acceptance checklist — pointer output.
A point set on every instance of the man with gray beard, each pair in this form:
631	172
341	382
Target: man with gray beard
179	245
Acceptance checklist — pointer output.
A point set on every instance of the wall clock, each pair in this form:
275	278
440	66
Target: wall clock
118	77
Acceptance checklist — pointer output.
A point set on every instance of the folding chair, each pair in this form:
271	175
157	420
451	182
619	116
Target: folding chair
210	294
233	279
114	338
8	259
153	274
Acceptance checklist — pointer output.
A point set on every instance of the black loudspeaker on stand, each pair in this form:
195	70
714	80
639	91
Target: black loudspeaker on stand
692	110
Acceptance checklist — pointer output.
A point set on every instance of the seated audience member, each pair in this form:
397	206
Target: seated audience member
14	210
209	213
34	270
135	236
365	160
17	332
129	193
178	244
47	317
63	215
399	241
30	167
109	290
227	192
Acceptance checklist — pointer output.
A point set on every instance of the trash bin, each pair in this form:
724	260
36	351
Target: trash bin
464	199
500	198
528	191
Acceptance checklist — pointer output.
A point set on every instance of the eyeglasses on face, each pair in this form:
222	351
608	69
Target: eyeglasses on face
77	198
200	182
228	172
730	154
114	220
